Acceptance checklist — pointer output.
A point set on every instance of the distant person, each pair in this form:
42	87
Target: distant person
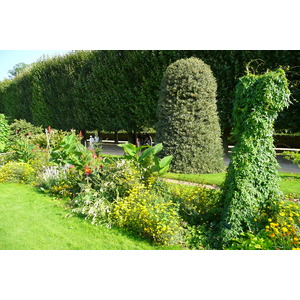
92	141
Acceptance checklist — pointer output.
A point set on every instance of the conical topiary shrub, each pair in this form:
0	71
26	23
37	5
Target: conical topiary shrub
188	123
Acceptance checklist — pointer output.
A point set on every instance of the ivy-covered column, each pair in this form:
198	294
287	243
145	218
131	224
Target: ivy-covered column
252	182
4	132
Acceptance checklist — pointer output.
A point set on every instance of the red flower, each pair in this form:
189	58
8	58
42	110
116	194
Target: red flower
87	170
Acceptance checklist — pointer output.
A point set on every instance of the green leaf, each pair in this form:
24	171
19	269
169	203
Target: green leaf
147	153
130	149
157	148
165	162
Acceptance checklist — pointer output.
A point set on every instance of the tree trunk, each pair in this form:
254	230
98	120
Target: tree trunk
225	141
116	137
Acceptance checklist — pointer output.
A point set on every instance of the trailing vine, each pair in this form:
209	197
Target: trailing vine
4	132
251	184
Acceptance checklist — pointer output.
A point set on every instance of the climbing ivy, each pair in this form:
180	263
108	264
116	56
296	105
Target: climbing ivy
4	132
251	183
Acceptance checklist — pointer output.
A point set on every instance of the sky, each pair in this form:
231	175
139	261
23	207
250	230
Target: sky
10	58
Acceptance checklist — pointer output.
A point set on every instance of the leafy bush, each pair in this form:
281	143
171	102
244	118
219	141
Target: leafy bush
55	139
115	178
283	227
17	172
40	160
23	151
22	128
198	205
251	182
249	241
148	215
293	156
105	185
149	163
60	181
188	124
199	237
71	151
4	132
281	231
93	205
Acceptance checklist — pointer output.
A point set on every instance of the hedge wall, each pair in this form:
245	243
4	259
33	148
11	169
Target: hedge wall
118	90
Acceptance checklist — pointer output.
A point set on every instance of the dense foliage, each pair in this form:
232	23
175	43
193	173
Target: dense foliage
119	90
188	124
4	132
251	184
126	192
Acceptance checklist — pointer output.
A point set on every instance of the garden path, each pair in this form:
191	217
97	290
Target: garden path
286	165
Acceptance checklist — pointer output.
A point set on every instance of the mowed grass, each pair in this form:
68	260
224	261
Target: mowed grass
30	220
289	182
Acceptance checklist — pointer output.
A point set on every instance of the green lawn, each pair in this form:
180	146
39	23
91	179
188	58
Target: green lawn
289	183
30	220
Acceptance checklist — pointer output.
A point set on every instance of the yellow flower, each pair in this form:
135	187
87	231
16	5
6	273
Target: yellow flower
272	234
284	229
282	214
270	220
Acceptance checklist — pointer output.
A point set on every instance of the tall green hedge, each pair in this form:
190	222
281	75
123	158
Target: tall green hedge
188	124
119	90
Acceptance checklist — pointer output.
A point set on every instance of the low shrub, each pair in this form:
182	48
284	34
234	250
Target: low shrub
54	140
17	172
149	215
293	156
281	231
93	205
249	241
147	160
195	237
198	205
22	150
21	128
40	160
115	178
59	181
283	228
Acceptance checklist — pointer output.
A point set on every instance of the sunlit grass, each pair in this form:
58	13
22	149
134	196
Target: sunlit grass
30	220
289	183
